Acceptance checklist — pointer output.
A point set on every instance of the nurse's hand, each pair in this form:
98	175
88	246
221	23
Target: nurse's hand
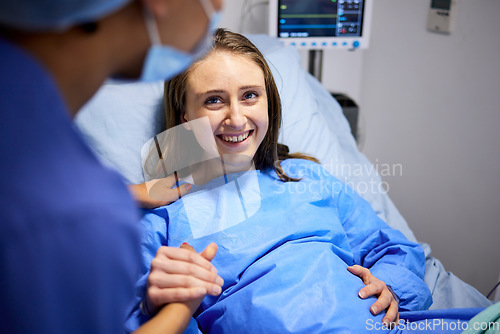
156	193
376	287
182	275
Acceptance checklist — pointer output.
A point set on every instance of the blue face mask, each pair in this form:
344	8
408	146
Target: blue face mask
163	62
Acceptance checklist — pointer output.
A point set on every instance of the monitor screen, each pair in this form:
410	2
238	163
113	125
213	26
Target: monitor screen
441	4
320	23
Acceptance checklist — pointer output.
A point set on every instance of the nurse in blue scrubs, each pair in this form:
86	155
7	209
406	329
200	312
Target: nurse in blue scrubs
69	230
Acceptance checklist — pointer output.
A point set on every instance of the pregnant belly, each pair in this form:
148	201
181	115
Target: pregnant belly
296	288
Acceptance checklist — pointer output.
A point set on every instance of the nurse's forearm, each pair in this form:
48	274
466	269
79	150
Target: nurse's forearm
172	318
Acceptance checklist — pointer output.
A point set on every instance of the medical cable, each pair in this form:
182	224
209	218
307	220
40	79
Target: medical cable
165	169
224	169
492	290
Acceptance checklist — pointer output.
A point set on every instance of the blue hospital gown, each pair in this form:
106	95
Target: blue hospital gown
284	267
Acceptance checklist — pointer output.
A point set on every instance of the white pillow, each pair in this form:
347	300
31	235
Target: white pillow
119	120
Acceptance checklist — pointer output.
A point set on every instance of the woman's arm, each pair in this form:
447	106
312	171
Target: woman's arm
386	252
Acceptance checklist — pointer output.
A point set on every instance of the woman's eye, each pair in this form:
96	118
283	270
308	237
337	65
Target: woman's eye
250	95
213	100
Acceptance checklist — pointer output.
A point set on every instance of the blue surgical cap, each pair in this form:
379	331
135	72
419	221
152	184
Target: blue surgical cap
54	15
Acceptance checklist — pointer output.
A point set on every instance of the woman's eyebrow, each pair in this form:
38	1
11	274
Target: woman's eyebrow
220	91
214	91
252	87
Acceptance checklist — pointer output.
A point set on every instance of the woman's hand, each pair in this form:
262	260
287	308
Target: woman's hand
159	192
376	287
182	275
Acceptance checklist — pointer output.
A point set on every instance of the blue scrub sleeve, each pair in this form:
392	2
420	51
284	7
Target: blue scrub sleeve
390	257
154	224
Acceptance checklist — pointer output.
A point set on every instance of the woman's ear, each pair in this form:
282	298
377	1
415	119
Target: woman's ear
185	122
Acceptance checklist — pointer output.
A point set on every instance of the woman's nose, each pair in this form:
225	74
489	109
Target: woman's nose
236	119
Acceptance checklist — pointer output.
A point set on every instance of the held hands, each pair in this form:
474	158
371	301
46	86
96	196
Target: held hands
182	275
376	287
157	192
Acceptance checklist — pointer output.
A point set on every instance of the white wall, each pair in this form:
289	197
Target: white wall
431	103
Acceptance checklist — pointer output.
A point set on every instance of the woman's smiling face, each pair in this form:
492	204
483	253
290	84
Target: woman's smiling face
230	90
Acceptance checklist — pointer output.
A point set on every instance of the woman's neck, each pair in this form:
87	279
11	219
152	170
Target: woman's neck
213	168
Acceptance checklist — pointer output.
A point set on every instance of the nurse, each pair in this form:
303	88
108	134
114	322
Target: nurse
69	238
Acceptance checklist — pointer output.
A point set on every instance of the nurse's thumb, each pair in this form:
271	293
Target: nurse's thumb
209	252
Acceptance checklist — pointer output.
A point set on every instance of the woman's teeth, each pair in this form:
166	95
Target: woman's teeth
235	139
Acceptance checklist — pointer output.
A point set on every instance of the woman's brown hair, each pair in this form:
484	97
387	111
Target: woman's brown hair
270	152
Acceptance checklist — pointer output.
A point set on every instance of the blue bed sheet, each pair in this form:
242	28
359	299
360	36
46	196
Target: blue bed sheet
445	321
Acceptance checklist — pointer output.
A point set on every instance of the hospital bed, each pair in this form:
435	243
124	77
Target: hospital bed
122	117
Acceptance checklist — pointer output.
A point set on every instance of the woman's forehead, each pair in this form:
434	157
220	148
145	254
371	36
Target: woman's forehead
225	69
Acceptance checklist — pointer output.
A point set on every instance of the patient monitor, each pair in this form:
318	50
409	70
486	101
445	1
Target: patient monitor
321	24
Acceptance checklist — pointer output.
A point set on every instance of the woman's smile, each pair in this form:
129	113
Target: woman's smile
234	140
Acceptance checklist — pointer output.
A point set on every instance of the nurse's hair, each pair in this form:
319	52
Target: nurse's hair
270	152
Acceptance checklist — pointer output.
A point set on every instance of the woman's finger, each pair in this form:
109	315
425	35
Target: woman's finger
383	302
187	246
161	190
158	192
392	315
374	288
186	255
208	253
159	297
183	189
167	182
172	267
167	281
362	272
